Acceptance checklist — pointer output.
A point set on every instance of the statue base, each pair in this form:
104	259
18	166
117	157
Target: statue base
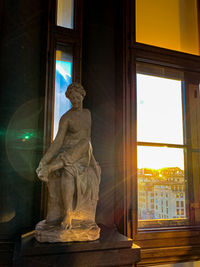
80	231
112	249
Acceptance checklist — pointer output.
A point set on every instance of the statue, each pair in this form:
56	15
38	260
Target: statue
72	176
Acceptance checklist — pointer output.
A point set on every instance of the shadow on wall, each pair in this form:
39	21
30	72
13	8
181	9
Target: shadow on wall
22	144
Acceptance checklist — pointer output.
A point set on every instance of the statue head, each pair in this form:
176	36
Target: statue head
75	88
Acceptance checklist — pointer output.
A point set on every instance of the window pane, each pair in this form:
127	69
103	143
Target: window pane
171	24
159	110
161	183
63	78
65	13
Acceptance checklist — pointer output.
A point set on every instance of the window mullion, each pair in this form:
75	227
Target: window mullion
161	145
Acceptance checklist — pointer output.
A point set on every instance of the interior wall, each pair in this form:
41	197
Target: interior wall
22	68
99	82
171	24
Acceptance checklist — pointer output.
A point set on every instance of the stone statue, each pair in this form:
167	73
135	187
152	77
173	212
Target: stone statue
72	176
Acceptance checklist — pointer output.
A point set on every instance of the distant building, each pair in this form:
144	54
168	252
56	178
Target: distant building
161	194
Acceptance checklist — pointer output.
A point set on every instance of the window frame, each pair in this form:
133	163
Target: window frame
172	222
169	244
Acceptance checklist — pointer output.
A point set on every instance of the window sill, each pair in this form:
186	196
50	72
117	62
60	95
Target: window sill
159	246
166	255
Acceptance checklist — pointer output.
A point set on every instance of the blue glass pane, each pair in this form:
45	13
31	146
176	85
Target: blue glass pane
63	79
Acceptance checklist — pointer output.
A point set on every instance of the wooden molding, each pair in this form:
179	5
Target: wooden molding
169	255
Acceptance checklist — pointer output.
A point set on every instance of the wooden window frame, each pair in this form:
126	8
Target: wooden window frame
166	244
61	36
170	222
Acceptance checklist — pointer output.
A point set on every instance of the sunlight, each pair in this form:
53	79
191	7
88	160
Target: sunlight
159	110
160	157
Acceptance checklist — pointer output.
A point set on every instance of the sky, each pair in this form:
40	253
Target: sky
160	157
159	120
63	79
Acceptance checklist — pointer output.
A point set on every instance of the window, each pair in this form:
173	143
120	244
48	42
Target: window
64	51
160	134
160	128
65	13
63	77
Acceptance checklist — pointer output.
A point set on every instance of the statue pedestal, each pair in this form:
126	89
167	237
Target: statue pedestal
80	231
112	249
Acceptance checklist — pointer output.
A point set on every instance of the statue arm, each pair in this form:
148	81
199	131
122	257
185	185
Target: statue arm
57	143
96	167
90	122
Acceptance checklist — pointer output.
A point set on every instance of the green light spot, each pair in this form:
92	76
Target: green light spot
26	136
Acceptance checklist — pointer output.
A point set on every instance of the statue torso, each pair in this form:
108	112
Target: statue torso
78	126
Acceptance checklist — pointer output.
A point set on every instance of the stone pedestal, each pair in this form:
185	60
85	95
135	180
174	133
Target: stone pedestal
80	231
112	249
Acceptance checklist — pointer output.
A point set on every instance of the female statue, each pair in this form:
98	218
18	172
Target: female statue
72	175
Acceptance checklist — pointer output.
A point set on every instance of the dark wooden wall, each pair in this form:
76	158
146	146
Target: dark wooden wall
23	32
99	82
